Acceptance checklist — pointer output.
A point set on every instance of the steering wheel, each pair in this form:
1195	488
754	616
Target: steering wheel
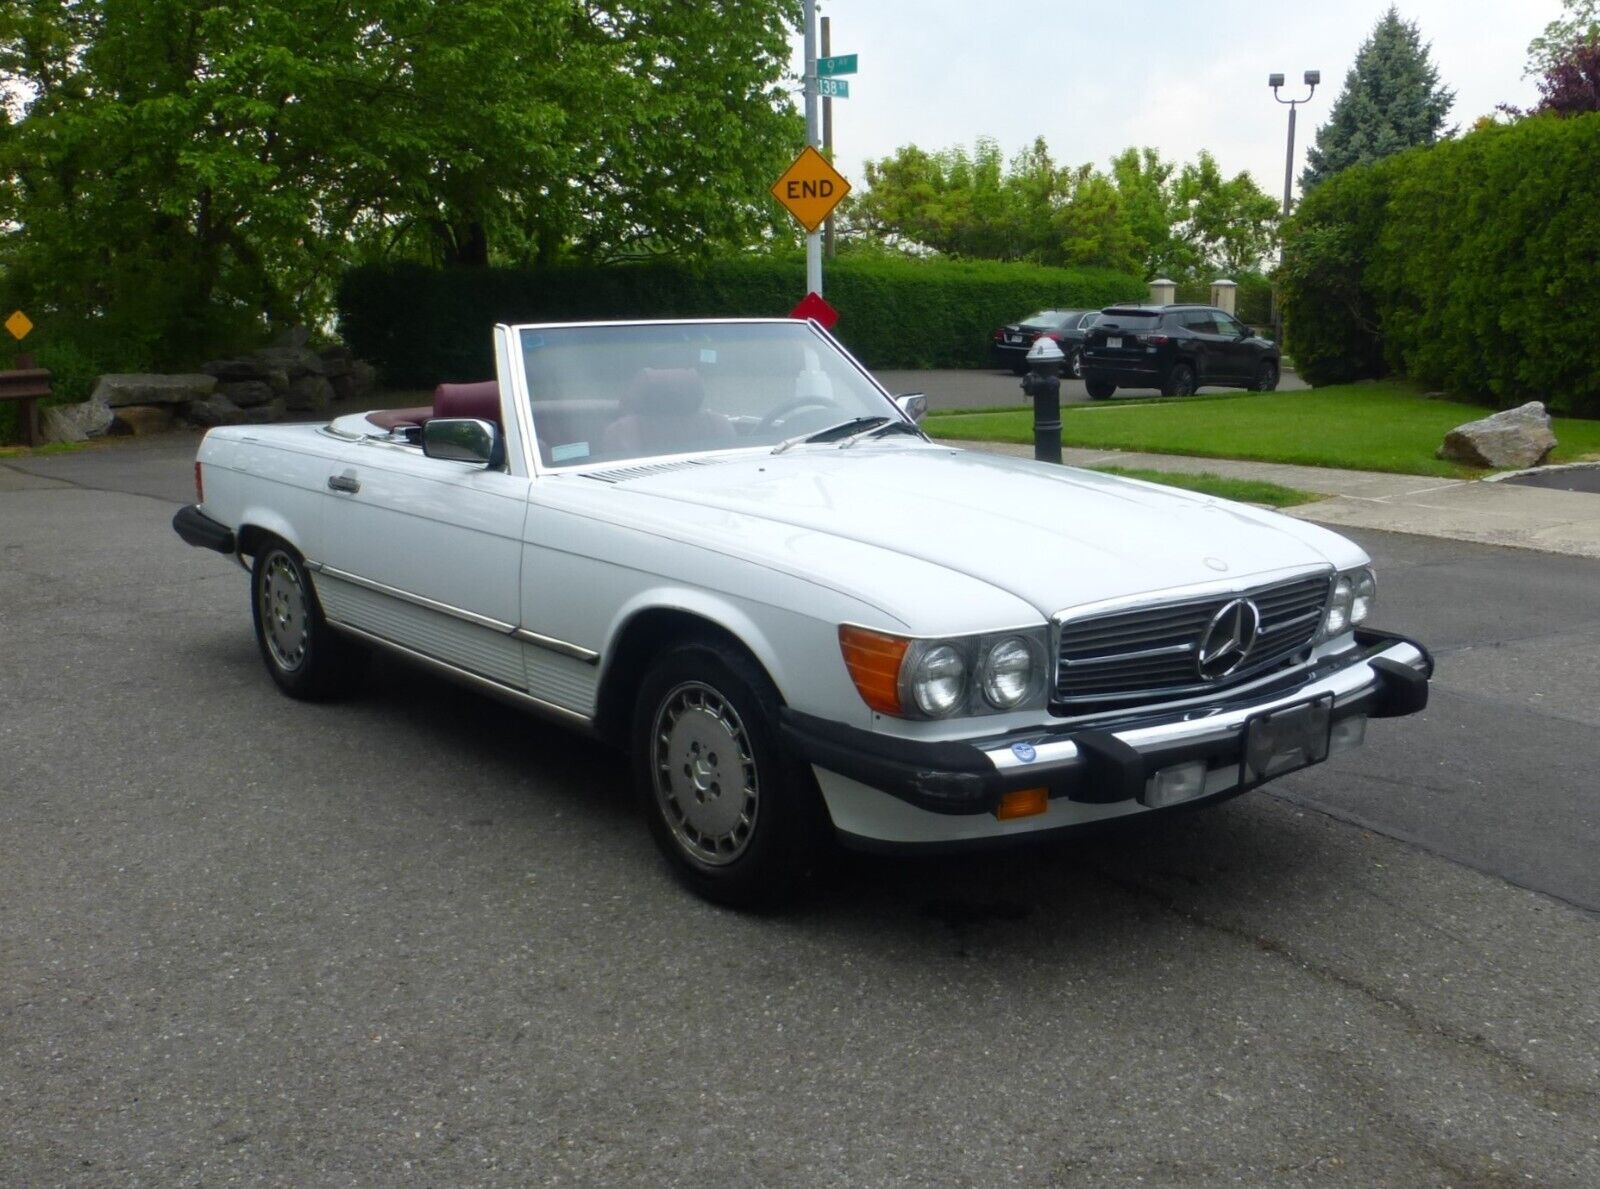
794	406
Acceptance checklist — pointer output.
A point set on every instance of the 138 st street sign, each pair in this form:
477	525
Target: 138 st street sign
810	188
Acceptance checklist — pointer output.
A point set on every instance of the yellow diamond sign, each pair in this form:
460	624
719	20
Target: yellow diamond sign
19	324
810	188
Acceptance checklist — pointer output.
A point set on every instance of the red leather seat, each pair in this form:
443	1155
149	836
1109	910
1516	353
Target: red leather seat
661	414
480	399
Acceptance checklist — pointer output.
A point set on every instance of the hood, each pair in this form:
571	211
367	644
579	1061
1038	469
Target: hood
1055	537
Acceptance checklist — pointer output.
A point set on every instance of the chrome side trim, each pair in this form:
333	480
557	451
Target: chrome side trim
405	596
587	655
487	685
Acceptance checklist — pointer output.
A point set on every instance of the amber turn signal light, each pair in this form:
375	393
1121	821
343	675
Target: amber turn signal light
1022	803
873	659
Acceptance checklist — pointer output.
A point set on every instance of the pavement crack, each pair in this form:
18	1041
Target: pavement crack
1552	1091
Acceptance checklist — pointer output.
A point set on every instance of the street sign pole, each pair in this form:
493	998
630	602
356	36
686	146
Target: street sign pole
813	239
827	135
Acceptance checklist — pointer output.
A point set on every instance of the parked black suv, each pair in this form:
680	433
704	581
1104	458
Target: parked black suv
1176	348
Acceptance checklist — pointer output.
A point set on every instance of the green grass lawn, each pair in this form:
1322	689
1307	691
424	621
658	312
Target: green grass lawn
1250	491
1376	426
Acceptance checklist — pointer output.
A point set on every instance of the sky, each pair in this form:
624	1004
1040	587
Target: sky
1093	79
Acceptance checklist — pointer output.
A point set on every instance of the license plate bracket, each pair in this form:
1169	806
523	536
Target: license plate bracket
1285	740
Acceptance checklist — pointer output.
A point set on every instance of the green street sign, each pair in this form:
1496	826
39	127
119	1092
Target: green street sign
833	88
838	64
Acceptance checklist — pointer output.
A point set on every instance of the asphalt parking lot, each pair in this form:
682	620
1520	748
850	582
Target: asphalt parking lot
418	938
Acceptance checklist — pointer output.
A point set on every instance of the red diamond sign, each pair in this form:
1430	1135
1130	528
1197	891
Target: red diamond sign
813	306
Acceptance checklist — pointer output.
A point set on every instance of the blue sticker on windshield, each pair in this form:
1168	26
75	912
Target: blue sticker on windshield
570	451
1024	752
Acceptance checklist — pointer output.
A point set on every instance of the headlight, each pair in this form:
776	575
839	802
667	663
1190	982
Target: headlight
1006	674
938	681
1351	603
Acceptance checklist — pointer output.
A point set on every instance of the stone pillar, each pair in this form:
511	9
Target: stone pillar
1224	295
1163	292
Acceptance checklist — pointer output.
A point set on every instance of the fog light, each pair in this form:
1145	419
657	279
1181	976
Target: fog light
1348	734
1181	782
1022	803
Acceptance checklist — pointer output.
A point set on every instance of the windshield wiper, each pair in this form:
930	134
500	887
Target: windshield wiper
878	431
825	435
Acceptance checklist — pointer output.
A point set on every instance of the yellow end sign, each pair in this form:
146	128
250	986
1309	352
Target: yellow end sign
810	188
19	324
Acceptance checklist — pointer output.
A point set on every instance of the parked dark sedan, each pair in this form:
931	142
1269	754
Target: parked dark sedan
1009	346
1176	348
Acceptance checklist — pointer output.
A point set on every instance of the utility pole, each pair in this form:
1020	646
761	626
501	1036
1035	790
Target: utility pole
813	238
827	134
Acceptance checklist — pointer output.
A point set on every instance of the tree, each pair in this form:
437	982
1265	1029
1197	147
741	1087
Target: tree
1148	186
1571	84
184	170
1227	225
1391	101
1579	26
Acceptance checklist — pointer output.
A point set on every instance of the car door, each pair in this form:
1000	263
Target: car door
1234	346
1206	346
427	553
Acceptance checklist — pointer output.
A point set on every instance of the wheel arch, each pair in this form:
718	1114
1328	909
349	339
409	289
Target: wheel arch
645	631
258	524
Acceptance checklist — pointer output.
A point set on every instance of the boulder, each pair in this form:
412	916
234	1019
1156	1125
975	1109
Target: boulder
246	393
75	423
144	419
1519	437
213	410
358	381
273	410
233	371
309	394
292	361
294	337
336	359
120	391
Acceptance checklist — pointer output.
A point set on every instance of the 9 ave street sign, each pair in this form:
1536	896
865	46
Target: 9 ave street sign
810	188
838	64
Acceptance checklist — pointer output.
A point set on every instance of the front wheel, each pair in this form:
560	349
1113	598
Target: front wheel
738	824
1267	376
306	658
1075	363
1100	389
1180	381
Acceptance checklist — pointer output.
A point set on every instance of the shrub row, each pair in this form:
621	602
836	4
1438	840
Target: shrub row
1472	266
422	325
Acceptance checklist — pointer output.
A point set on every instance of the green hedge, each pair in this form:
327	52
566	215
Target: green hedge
421	325
1472	266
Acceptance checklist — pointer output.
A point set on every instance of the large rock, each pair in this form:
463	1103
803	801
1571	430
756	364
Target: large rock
294	336
1519	437
144	419
292	361
120	391
232	371
75	423
214	410
358	381
273	410
246	393
309	394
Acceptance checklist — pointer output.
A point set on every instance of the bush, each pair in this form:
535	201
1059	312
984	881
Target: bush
422	325
1468	266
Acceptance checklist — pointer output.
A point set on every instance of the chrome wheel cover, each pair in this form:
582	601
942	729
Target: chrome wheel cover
285	624
704	773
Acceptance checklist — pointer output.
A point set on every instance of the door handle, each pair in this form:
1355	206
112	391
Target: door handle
345	483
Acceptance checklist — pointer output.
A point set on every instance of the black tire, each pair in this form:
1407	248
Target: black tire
1266	376
307	658
1075	363
1180	381
758	850
1100	389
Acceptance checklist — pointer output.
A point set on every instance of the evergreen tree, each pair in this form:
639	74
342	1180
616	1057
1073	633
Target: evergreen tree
1391	101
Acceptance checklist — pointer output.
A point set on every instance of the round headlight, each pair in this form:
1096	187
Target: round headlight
939	681
1339	606
1365	591
1007	673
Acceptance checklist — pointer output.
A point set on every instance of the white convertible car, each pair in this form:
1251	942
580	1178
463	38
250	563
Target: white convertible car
723	546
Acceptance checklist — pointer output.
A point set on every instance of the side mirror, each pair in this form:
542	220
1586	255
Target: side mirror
914	405
464	439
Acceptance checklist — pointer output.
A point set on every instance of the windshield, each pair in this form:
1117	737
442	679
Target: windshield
643	390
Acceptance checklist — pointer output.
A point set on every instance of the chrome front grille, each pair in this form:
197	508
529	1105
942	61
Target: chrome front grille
1152	653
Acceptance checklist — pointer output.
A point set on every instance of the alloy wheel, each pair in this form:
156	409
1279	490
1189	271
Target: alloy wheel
284	613
704	773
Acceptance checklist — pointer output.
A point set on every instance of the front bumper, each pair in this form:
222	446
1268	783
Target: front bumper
890	791
198	529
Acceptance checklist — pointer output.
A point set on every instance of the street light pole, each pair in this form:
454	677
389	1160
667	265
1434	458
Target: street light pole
1313	77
